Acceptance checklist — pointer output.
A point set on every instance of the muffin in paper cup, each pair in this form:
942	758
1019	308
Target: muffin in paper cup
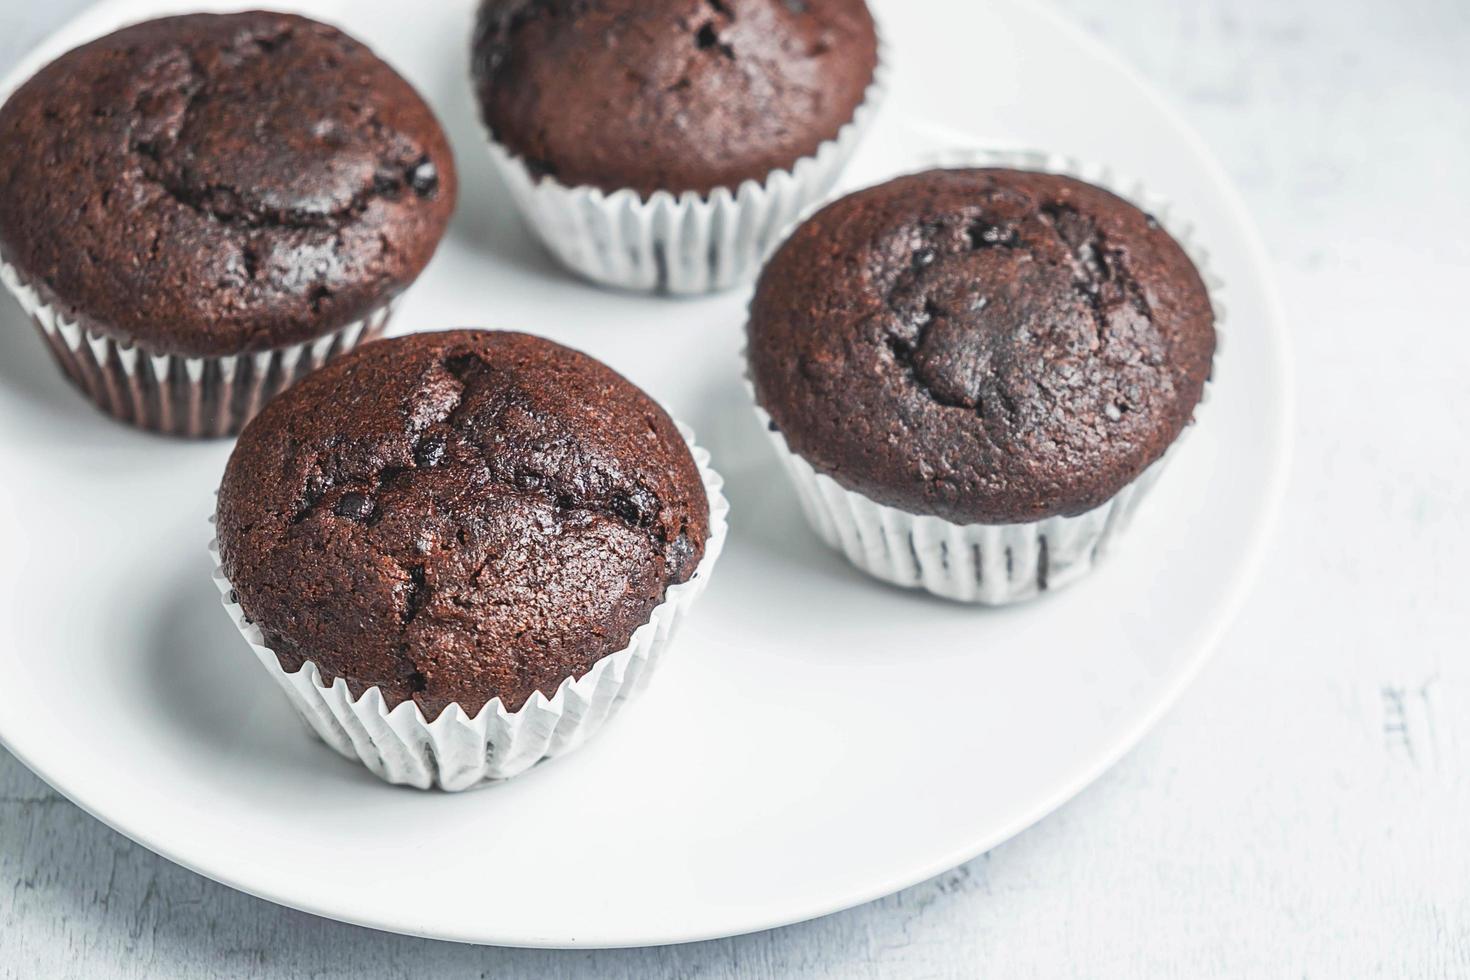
461	552
680	243
185	259
988	564
194	397
461	749
992	564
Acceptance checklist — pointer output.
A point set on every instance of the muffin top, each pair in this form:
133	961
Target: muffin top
456	517
986	346
675	95
214	185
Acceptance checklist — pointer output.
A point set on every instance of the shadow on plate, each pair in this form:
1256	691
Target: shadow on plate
204	677
26	365
764	511
207	683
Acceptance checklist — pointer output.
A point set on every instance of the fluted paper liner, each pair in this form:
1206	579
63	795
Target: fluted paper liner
459	750
989	564
184	396
684	244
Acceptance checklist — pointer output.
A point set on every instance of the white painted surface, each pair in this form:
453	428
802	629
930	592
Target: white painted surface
1303	811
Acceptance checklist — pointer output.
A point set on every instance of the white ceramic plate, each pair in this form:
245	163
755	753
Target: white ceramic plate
851	739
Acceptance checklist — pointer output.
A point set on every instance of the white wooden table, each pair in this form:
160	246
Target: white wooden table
1304	811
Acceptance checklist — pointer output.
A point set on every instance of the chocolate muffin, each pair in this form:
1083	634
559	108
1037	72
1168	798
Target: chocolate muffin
674	95
675	100
213	187
458	517
986	347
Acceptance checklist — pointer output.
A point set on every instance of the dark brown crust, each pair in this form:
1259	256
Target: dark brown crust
675	95
455	517
211	185
987	346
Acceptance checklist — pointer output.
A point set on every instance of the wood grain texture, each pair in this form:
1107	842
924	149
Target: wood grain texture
1302	812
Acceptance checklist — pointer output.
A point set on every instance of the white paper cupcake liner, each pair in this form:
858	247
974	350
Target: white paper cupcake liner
457	750
684	244
193	397
991	564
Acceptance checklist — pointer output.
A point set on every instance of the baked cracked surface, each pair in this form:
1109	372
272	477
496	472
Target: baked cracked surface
459	516
219	184
987	346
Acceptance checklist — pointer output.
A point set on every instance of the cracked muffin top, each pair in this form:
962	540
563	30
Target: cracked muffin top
212	185
675	95
985	346
456	517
